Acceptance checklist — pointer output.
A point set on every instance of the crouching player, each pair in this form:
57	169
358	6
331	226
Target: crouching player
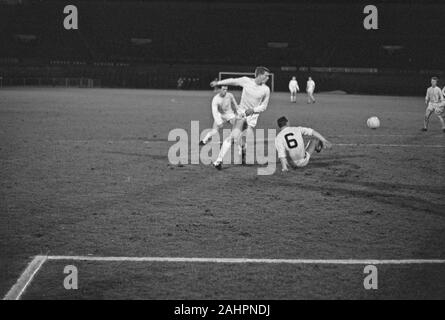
224	109
290	144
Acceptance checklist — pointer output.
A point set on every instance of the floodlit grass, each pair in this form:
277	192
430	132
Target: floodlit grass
85	171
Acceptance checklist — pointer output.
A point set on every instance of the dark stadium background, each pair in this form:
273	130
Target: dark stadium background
197	39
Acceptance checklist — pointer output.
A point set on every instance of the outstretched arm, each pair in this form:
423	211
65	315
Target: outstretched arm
228	82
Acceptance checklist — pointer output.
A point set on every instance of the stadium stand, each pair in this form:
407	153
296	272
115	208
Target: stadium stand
33	34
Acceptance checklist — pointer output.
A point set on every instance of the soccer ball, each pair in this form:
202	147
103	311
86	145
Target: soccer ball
373	123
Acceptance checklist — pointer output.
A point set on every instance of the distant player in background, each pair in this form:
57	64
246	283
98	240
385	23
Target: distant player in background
254	100
290	144
293	88
180	83
224	109
435	102
310	88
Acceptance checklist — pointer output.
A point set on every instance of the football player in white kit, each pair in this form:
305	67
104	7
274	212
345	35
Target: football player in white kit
293	88
224	109
310	87
254	100
435	102
290	144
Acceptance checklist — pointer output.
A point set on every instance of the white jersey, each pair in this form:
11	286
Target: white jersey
289	142
222	108
434	95
254	96
223	105
310	86
293	85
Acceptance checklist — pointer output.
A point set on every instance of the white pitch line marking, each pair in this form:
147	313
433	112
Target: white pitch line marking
25	279
368	144
389	145
34	266
334	144
248	260
375	135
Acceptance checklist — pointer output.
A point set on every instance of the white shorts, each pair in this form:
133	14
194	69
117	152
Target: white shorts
226	117
302	162
437	107
293	90
252	120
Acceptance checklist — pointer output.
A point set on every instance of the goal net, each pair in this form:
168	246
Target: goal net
225	75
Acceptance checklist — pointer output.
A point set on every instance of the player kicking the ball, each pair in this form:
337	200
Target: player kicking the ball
254	100
435	102
290	144
224	109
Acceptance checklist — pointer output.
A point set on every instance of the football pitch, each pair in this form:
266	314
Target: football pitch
86	182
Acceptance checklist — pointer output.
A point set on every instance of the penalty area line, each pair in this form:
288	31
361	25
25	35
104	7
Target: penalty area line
25	279
37	262
248	260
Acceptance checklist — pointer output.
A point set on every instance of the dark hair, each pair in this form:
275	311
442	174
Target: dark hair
260	71
282	121
434	78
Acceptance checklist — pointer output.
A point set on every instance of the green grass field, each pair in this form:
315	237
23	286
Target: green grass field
85	172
